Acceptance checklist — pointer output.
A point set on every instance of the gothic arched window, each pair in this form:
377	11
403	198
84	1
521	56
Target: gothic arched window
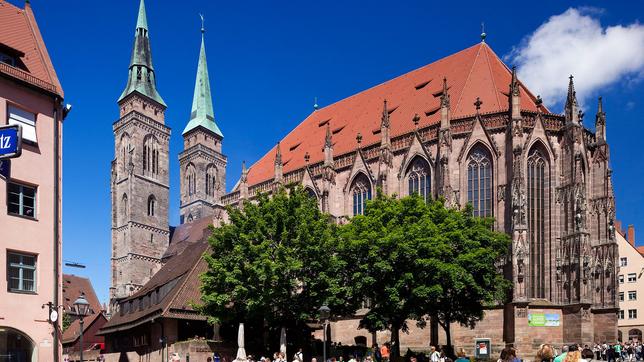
151	205
479	181
191	180
211	179
537	187
361	191
125	148
418	178
124	208
311	193
150	156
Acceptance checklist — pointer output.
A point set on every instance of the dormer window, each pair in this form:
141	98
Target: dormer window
7	59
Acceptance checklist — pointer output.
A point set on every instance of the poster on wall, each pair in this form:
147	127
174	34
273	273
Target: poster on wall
543	320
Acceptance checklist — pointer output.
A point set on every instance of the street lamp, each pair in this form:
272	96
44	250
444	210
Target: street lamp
325	313
81	307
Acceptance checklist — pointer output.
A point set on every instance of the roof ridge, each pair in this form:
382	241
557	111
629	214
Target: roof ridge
42	49
469	74
183	283
495	89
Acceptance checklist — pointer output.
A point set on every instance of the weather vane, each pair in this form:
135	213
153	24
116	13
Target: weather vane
202	25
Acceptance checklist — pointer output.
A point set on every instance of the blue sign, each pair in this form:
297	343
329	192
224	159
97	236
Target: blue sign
10	141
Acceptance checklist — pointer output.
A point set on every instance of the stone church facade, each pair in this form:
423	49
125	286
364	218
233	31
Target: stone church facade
463	128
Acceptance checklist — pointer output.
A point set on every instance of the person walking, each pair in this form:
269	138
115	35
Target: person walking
298	356
384	352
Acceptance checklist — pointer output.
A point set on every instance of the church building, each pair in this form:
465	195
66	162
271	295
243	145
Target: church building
463	127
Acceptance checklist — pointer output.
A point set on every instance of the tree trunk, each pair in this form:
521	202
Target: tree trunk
395	342
449	351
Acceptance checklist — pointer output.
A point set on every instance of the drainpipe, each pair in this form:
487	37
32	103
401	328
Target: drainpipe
56	221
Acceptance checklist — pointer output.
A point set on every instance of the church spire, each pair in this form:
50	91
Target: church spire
600	122
572	107
202	113
141	76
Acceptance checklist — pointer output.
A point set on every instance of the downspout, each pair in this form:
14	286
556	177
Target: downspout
56	222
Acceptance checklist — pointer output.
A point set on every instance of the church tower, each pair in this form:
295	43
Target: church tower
139	175
203	166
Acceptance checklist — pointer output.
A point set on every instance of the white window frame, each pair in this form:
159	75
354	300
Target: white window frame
621	296
632	295
21	267
21	199
632	277
623	261
620	314
26	119
632	314
621	278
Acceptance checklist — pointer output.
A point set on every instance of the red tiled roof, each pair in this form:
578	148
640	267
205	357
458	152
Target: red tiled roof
19	30
72	332
73	287
474	72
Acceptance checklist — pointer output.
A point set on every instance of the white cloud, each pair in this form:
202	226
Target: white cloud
575	42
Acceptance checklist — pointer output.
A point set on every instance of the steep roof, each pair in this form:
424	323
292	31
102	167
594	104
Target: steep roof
71	334
202	114
73	287
178	285
141	75
474	72
19	31
187	234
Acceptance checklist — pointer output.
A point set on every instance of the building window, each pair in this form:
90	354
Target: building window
632	314
479	182
150	156
418	178
7	59
151	204
632	277
361	190
21	200
620	314
21	272
537	179
632	295
621	296
621	279
211	180
25	119
623	261
191	180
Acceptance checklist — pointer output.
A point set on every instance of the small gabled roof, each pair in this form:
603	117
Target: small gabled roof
73	287
474	72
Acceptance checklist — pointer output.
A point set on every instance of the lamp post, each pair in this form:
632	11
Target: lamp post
325	313
81	307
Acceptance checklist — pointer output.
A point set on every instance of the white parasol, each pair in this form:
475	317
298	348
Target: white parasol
241	352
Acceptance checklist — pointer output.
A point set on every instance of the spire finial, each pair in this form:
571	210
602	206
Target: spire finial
444	95
203	28
478	104
328	142
142	20
514	84
244	173
315	104
483	35
384	120
600	106
416	120
278	154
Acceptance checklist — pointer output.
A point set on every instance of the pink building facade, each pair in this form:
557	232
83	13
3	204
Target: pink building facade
30	193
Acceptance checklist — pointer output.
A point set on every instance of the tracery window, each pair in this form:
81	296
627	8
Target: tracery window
361	191
124	210
211	180
150	156
537	183
125	148
191	180
418	178
311	193
479	181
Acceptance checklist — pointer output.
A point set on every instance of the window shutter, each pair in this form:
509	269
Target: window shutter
27	120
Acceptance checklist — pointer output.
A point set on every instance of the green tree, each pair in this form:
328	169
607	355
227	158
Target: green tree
67	321
465	270
399	251
275	260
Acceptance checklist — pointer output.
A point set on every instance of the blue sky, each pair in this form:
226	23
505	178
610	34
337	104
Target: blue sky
269	59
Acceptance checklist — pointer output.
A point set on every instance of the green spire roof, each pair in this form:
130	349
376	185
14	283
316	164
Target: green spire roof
202	113
141	76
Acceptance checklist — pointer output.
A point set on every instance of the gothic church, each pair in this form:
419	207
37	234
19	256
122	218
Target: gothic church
463	127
